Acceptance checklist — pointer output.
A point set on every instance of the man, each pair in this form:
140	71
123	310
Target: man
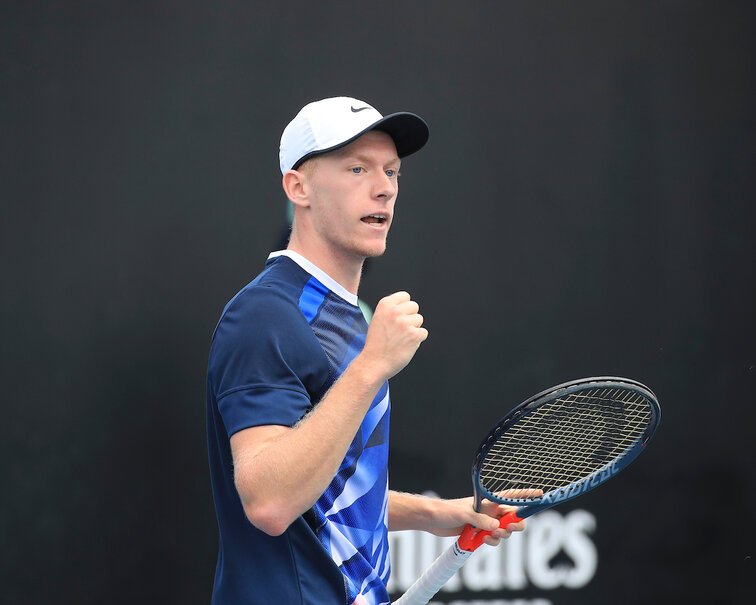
297	391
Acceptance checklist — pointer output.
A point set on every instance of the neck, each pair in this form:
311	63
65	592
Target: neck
344	269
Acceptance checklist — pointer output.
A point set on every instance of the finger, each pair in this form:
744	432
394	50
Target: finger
492	509
415	320
408	307
509	528
519	526
501	534
503	509
521	493
491	541
397	297
496	536
486	522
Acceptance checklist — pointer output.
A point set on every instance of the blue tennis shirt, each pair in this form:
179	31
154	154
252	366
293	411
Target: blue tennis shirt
281	342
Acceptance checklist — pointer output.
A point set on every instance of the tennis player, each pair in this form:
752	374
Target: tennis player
297	387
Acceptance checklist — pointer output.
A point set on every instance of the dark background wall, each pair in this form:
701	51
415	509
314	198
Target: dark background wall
585	206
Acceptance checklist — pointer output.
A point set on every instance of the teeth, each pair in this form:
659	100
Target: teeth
377	219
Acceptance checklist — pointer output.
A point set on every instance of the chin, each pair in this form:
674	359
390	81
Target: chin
369	249
374	251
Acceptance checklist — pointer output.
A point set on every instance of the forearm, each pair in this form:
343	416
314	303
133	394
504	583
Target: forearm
282	478
409	511
444	517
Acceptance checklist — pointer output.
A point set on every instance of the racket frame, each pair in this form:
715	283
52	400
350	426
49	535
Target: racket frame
471	538
530	506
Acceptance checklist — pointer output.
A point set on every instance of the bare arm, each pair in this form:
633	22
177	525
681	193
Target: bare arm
280	472
447	517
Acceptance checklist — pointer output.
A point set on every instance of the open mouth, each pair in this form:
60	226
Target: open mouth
374	219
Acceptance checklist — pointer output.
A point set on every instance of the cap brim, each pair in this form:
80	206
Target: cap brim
409	132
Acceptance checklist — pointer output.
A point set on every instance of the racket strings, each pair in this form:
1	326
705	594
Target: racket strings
563	441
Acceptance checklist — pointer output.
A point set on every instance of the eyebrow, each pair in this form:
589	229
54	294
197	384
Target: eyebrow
367	160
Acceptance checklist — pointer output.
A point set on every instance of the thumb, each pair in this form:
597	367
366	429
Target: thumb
485	522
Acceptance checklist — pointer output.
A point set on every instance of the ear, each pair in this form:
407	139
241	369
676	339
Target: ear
295	186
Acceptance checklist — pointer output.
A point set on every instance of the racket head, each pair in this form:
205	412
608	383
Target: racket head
565	441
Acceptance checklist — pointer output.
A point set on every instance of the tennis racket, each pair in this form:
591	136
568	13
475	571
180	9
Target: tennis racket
564	441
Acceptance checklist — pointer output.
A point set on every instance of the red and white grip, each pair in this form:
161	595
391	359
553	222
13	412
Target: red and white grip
448	563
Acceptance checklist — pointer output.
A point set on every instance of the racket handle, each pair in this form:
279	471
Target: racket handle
449	562
472	537
435	576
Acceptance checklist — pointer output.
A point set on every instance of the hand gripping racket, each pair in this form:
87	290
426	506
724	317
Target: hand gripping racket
564	441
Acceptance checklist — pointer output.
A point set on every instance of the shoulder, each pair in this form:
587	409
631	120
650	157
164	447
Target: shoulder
261	314
262	298
271	298
263	340
263	326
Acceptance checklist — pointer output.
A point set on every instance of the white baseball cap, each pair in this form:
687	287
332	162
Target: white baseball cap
329	124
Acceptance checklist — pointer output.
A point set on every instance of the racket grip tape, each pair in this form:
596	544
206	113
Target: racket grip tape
472	537
435	576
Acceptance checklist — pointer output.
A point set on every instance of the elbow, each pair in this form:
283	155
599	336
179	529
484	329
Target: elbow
271	520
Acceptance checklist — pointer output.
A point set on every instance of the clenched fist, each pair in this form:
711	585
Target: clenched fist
394	335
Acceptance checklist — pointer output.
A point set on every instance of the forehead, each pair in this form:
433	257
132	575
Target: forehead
374	142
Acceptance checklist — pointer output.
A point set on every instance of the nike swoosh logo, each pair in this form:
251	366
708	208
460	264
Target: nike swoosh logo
358	109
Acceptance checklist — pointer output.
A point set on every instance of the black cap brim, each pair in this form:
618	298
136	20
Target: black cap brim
409	131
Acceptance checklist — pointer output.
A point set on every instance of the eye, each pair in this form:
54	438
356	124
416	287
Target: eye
356	169
392	173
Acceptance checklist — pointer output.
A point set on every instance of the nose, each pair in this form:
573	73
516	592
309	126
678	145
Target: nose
385	187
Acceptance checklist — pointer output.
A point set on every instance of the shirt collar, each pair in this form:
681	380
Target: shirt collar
318	274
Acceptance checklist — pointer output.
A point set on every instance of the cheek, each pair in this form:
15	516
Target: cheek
331	217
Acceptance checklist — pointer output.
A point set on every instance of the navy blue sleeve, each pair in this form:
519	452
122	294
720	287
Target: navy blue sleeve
266	365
